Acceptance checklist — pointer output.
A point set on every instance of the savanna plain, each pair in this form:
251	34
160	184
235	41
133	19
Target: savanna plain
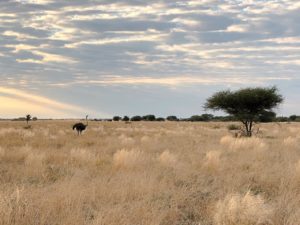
156	173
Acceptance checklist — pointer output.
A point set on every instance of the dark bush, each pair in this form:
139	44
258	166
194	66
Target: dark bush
195	118
293	117
172	118
233	127
136	118
125	118
148	118
267	117
117	118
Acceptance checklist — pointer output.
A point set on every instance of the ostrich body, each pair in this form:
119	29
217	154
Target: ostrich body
79	127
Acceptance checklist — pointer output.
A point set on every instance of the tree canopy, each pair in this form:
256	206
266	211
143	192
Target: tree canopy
125	118
117	118
172	118
247	104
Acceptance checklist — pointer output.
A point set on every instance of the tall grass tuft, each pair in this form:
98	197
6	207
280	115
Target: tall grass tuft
246	209
167	159
236	144
128	158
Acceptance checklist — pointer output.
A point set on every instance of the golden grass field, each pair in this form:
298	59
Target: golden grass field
144	173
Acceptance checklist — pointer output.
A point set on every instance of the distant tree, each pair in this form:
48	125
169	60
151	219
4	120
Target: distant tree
203	117
183	119
148	118
117	118
267	117
136	118
20	119
172	118
160	119
195	118
245	104
34	118
293	117
207	117
125	118
225	118
282	119
28	118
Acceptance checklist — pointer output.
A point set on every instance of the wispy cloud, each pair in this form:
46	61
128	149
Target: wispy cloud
172	81
19	36
38	2
146	36
18	102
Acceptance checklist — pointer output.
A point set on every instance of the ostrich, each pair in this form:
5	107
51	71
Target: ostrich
79	127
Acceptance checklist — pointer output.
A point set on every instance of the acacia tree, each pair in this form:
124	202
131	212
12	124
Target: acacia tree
125	118
28	117
172	118
247	105
117	118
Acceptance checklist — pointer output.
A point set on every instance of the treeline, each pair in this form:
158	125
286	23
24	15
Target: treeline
293	118
26	118
267	117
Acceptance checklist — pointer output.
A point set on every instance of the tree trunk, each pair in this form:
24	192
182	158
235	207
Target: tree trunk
248	127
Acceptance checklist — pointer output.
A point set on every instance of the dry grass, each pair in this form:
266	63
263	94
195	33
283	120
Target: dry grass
148	173
245	209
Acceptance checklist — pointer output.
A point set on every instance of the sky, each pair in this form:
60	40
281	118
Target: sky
66	59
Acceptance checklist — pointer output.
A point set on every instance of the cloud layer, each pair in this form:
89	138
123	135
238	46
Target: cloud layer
82	51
